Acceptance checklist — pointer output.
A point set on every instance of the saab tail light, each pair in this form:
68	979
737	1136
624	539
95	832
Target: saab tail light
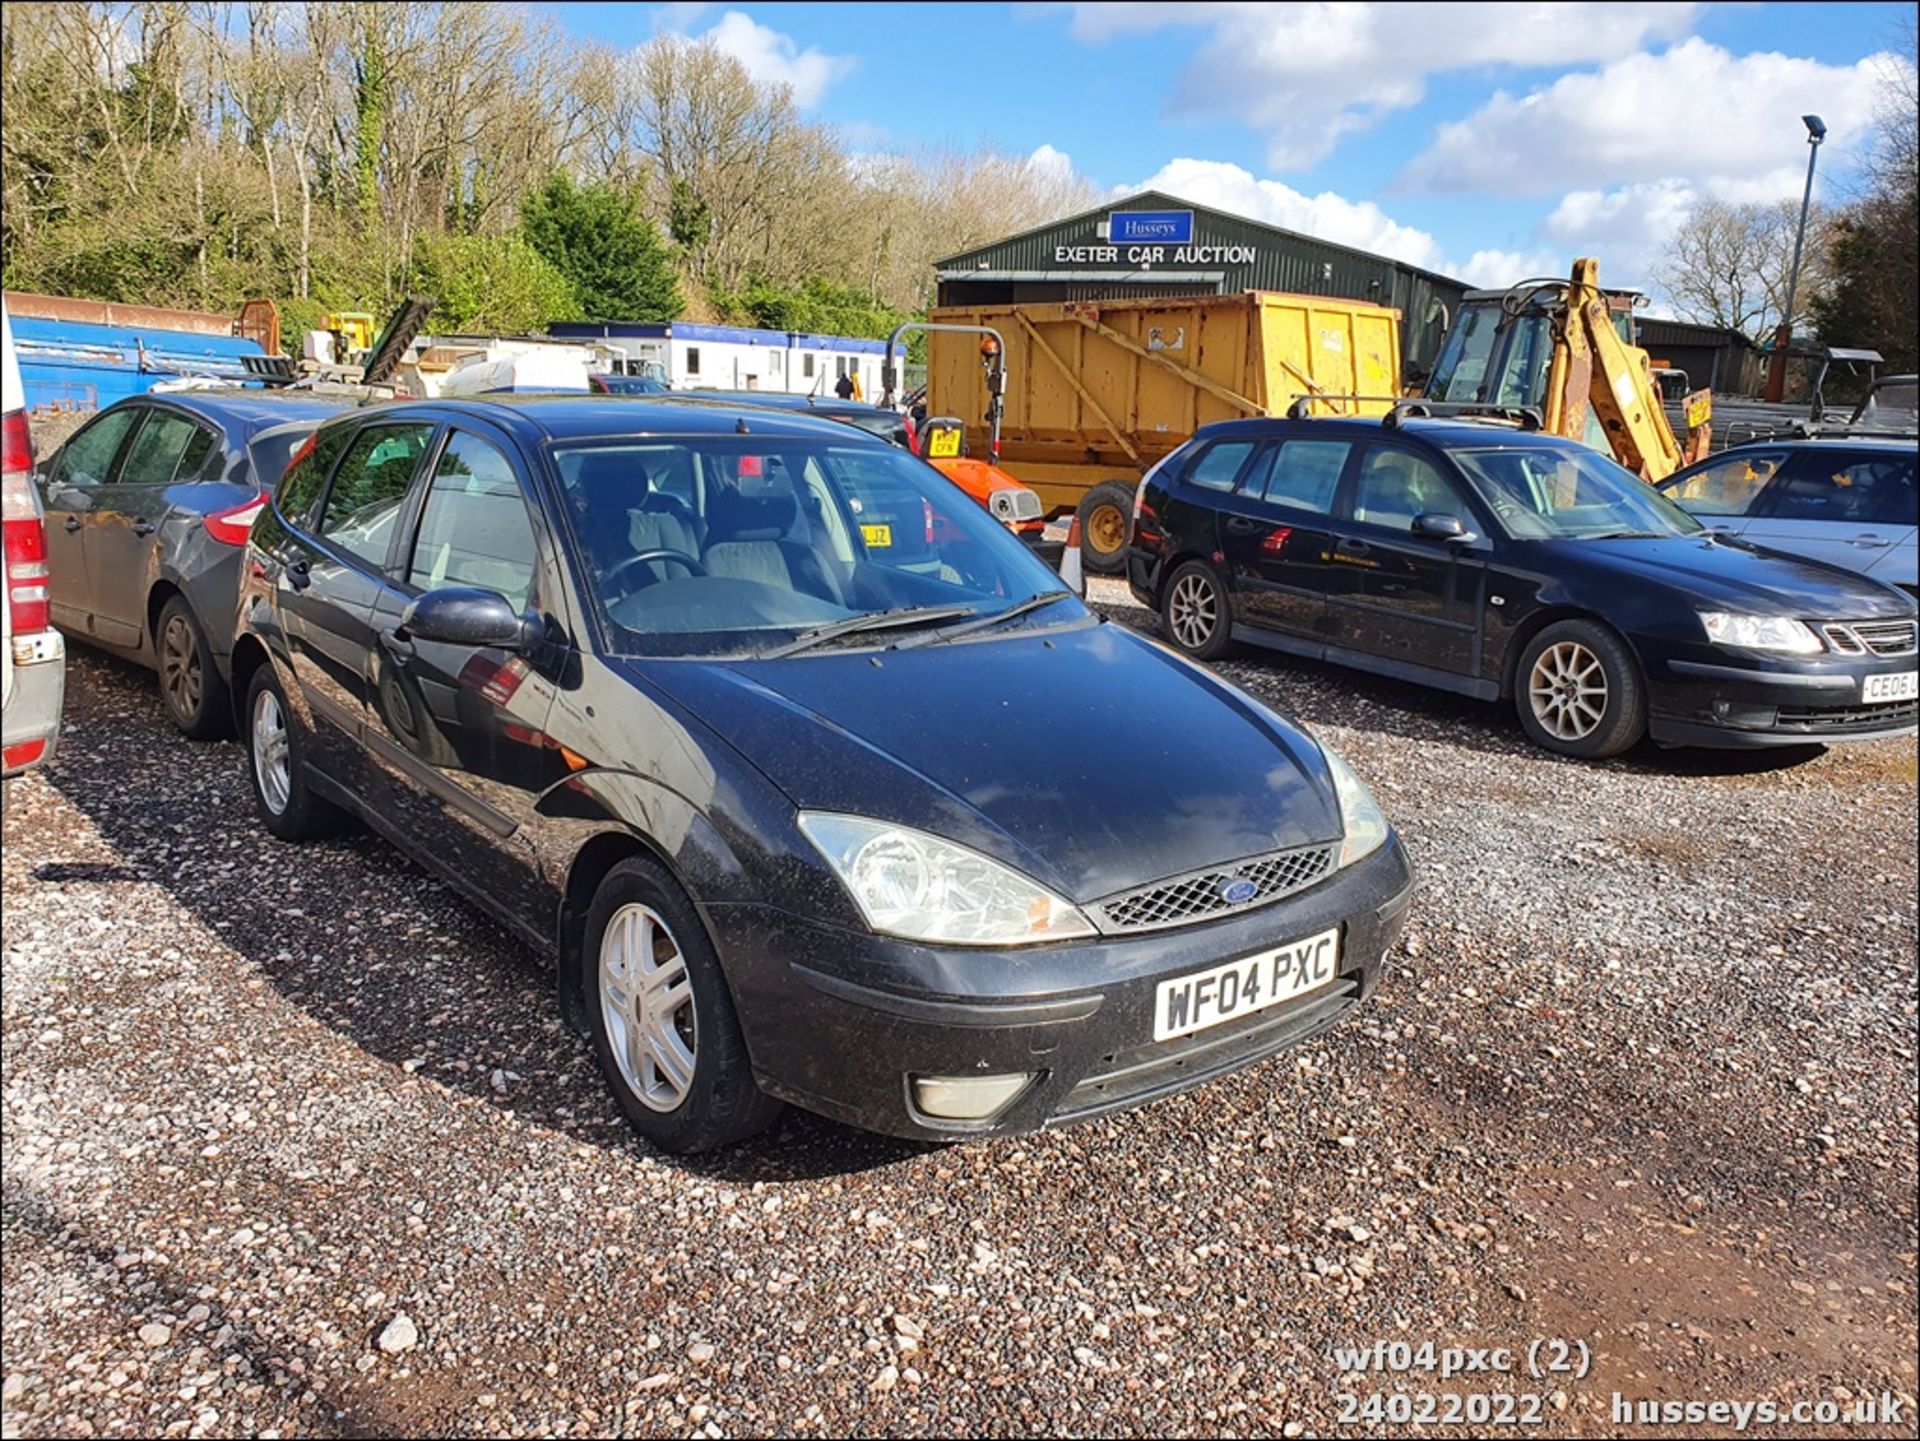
926	511
23	531
233	525
1276	541
751	465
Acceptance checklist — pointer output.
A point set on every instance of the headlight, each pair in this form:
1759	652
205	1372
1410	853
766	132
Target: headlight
1760	632
908	883
1014	503
1360	817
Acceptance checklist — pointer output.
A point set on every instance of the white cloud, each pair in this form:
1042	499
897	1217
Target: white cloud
1053	164
1730	122
1329	216
677	18
1308	74
772	58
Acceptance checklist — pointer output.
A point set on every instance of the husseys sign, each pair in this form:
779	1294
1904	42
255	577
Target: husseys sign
1151	237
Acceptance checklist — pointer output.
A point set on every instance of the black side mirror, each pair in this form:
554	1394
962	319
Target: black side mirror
465	615
1438	525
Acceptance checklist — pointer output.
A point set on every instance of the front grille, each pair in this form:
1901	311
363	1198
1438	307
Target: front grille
1840	719
1198	896
1882	637
1128	1076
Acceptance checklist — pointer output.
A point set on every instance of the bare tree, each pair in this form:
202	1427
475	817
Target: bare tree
1727	265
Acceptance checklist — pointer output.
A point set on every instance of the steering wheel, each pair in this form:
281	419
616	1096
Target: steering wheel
674	556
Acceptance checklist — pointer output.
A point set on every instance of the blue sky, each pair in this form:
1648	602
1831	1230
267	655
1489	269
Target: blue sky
1489	141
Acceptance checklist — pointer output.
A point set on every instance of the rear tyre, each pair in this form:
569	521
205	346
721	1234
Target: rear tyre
1106	525
664	1029
191	689
1579	692
1194	614
287	806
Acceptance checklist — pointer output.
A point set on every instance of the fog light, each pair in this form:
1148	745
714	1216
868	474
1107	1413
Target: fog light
968	1098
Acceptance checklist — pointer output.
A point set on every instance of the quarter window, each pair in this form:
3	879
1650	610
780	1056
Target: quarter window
86	459
1218	465
369	488
474	528
300	485
1728	487
1300	474
1396	485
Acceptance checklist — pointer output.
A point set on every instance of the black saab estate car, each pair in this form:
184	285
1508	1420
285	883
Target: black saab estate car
1482	557
803	814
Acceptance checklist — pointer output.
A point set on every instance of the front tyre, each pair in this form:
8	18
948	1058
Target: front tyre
1579	692
288	807
1193	612
664	1029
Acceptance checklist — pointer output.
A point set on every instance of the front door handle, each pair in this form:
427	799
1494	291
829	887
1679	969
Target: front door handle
144	527
298	575
72	523
1871	542
1352	547
396	644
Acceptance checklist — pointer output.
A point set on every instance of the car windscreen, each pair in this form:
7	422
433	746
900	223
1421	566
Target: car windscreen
733	545
1558	492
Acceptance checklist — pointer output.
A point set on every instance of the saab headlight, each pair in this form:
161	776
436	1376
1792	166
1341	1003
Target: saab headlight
1760	632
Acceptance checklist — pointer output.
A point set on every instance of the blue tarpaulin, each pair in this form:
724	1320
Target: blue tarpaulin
73	365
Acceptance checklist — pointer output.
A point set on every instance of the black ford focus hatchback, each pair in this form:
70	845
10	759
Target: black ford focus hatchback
1479	556
806	808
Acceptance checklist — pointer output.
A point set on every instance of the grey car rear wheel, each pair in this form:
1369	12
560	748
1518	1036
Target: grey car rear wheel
191	687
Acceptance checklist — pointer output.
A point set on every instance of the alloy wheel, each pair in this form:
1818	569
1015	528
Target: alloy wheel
646	1000
180	667
272	757
1193	610
1568	691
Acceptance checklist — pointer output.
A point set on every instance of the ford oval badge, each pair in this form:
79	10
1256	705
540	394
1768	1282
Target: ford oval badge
1237	890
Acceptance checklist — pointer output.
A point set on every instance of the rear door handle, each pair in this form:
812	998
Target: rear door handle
1871	542
144	527
1352	547
72	523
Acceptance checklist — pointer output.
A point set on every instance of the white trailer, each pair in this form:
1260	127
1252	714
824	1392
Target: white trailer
690	356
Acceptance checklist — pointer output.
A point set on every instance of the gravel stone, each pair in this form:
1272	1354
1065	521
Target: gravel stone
400	1335
1570	1110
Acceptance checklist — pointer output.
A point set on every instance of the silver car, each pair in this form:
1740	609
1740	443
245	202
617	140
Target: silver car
148	508
1849	502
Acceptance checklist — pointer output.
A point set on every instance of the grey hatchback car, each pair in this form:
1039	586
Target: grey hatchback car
148	507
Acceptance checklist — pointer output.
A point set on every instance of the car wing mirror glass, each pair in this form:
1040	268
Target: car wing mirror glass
465	615
1438	525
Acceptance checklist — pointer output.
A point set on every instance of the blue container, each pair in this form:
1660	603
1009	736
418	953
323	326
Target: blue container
72	365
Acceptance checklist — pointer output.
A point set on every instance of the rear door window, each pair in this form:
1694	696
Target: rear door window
370	487
1299	474
1218	466
1844	487
168	445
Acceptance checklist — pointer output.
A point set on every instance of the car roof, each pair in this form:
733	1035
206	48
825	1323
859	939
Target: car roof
540	418
254	409
1446	433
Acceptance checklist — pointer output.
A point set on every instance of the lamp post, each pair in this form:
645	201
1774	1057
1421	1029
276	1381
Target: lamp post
1783	337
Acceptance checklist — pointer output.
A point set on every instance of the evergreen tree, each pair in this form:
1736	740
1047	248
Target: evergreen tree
615	260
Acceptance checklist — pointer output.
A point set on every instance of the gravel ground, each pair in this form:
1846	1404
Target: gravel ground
294	1141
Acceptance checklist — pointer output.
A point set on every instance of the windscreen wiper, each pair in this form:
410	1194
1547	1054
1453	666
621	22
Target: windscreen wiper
1629	535
968	627
873	620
